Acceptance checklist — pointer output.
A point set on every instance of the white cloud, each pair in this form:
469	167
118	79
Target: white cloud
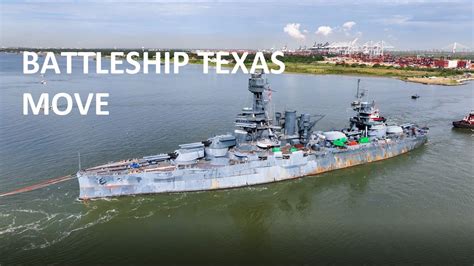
293	29
324	30
348	25
396	20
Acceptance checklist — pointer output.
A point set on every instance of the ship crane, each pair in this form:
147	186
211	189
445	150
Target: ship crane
453	47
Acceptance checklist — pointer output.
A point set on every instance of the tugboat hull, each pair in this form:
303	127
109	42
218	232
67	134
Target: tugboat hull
462	124
244	174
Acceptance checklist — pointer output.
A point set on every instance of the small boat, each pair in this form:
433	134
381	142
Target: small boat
375	116
416	96
466	122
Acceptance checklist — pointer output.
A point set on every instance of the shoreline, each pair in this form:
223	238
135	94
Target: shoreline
422	76
453	81
425	77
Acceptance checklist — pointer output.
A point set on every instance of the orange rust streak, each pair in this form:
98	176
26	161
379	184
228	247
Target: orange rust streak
113	186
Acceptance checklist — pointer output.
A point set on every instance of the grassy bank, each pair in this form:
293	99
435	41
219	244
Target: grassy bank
419	75
322	68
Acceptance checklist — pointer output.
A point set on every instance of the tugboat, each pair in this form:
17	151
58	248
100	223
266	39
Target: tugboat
466	122
263	148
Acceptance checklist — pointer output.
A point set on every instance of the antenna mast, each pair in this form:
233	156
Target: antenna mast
79	163
358	83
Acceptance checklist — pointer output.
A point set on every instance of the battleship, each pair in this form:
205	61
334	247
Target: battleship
265	147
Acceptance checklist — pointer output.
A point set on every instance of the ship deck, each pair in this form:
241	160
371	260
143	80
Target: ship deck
139	165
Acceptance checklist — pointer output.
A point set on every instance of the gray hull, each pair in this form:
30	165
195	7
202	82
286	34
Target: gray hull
240	175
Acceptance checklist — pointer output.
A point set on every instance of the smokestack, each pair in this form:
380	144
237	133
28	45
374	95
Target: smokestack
290	123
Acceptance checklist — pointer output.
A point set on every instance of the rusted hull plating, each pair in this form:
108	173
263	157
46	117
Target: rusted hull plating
240	175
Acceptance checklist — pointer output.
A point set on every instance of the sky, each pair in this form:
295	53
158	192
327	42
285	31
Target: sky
404	24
